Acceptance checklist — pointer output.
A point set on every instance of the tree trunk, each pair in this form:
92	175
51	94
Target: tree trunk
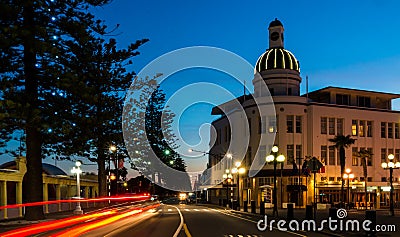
342	155
34	190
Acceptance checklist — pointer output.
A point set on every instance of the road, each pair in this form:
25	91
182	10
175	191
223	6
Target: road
155	220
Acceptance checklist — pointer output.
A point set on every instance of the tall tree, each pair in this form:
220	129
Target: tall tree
43	84
365	155
342	142
155	137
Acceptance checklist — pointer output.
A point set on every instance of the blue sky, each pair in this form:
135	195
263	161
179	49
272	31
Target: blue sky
351	44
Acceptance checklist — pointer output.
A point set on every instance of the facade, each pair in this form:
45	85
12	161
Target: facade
301	129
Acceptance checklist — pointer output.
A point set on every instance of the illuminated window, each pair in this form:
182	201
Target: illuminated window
272	127
361	128
290	153
324	122
324	153
354	126
354	151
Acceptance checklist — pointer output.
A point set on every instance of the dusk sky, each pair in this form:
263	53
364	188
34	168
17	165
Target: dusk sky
353	44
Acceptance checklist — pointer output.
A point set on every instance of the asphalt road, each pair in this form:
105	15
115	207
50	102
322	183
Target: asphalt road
197	221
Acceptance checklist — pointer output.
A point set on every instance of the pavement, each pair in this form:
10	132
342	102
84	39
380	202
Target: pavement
382	218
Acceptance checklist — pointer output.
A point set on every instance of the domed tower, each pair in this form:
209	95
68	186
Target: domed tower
278	67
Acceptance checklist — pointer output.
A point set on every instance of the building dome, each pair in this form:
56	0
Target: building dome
277	58
275	22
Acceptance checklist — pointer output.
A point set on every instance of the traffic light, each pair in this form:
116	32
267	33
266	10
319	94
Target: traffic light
167	152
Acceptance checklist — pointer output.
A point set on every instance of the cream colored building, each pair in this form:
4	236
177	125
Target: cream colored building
302	127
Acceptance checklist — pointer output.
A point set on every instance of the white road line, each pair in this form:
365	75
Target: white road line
229	214
187	210
196	209
180	225
169	209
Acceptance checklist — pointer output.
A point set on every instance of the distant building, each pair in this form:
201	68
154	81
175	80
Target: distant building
302	125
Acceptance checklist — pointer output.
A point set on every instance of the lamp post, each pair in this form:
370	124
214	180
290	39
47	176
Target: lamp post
112	149
275	158
238	170
391	166
228	178
77	170
349	176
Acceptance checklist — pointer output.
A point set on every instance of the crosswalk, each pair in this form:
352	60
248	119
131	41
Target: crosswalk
187	210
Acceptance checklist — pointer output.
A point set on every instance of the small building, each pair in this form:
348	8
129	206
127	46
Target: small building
57	185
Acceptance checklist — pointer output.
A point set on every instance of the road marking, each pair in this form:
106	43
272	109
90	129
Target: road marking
187	210
290	232
195	209
169	209
186	231
180	225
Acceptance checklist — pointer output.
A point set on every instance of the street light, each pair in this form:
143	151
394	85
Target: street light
228	178
275	158
77	170
391	166
238	170
349	176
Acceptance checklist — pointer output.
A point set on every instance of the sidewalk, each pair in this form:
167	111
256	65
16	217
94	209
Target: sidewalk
382	218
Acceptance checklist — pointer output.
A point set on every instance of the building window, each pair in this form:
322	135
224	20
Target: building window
272	124
369	179
370	158
262	153
383	155
299	154
397	154
369	128
324	154
354	151
354	127
364	101
290	153
397	130
339	126
383	129
331	126
332	157
331	179
339	179
289	123
390	130
361	130
324	122
383	179
298	124
342	99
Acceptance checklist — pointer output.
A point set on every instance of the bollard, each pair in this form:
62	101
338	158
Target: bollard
290	209
333	213
309	212
262	208
371	216
245	206
253	206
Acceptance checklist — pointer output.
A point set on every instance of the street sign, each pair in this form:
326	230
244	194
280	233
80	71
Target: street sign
314	164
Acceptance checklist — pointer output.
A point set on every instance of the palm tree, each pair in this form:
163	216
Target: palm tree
342	142
365	155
